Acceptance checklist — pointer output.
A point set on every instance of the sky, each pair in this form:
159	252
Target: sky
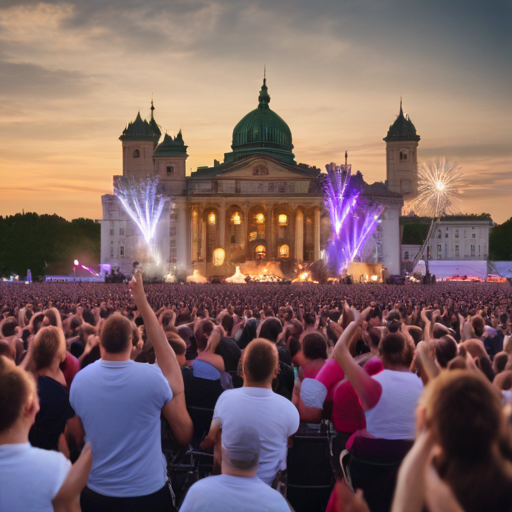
74	73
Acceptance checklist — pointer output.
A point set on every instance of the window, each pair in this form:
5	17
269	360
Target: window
284	251
172	231
439	234
121	251
465	234
439	251
446	235
472	250
111	252
170	170
121	231
403	155
456	233
456	249
283	220
136	153
406	255
473	235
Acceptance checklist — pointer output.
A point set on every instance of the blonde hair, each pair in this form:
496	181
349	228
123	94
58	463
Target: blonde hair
46	346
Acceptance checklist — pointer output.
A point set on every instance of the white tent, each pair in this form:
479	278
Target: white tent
443	269
501	268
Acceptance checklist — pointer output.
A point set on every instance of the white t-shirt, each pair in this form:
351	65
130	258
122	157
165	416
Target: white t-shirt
313	393
394	416
273	416
30	477
119	404
223	493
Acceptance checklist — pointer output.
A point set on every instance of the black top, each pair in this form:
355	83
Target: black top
53	414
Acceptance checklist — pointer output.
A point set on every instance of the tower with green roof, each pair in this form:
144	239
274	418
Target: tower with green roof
401	156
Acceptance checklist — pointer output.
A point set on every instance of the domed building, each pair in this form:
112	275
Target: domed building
258	207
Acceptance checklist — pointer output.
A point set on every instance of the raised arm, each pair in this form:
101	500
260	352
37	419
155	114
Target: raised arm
175	411
368	389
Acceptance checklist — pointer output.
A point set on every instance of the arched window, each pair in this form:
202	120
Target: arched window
136	153
284	251
403	154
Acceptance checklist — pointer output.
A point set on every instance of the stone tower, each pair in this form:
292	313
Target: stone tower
402	157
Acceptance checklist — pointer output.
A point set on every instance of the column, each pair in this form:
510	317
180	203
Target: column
299	235
269	235
222	227
182	261
244	226
316	235
195	233
203	234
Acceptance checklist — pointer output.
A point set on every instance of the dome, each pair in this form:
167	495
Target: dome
402	129
262	131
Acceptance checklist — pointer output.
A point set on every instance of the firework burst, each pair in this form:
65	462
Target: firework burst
438	188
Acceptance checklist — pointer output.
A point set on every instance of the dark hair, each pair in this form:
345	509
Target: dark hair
76	322
416	333
392	349
270	329
204	329
227	323
116	334
500	361
15	388
446	350
9	327
37	321
478	325
293	346
374	336
177	343
259	360
309	319
314	346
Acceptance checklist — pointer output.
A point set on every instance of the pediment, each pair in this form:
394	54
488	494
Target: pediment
263	169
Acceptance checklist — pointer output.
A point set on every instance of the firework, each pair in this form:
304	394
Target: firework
438	188
141	202
353	221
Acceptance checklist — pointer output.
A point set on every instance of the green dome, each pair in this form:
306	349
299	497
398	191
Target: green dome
402	129
262	131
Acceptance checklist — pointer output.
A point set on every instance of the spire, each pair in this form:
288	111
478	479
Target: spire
401	110
264	98
346	159
152	106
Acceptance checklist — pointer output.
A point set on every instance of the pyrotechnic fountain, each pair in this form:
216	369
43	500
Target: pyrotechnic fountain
352	221
141	201
438	189
237	277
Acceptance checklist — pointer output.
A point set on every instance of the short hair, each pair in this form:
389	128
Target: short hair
374	335
478	325
37	321
9	327
270	329
227	323
314	346
309	318
16	386
416	333
53	316
259	360
446	350
500	361
46	346
76	322
392	349
7	350
204	329
116	334
85	331
177	343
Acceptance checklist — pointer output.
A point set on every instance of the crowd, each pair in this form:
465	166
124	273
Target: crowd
240	397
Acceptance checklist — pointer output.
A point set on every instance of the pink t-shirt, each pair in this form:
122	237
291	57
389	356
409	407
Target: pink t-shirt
70	368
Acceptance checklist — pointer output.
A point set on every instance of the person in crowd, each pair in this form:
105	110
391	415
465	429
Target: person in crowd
238	487
33	479
119	403
255	404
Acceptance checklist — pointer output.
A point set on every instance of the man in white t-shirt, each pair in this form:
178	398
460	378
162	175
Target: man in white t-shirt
31	479
119	403
256	405
238	488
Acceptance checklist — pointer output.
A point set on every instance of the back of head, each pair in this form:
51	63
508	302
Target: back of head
374	337
393	322
176	342
85	331
478	325
116	334
76	322
500	362
16	387
260	361
270	329
464	412
49	343
204	329
9	327
309	319
240	448
392	349
227	323
446	350
416	333
314	346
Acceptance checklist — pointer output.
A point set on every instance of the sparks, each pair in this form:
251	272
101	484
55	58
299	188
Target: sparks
141	202
438	188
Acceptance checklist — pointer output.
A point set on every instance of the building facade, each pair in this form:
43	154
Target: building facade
258	206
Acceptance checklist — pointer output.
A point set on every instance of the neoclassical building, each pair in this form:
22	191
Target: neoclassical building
259	206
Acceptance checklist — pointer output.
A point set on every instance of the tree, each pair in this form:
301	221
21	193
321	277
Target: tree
500	242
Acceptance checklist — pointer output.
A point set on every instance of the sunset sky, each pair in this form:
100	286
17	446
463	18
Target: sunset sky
73	73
